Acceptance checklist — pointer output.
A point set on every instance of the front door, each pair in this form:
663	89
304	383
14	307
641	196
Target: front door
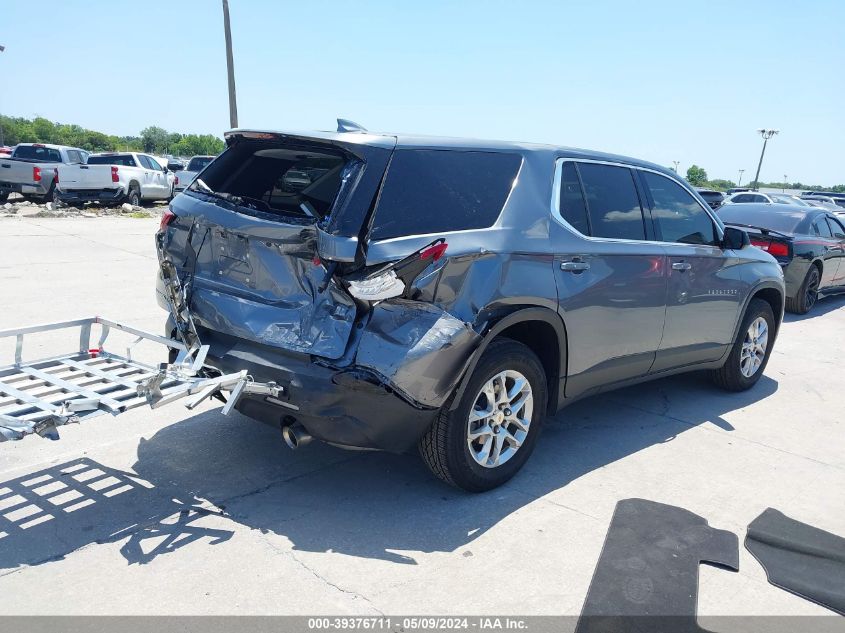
611	279
705	287
830	233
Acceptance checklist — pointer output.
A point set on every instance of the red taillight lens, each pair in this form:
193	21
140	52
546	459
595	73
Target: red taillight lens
760	244
166	219
779	249
434	252
176	182
36	174
114	177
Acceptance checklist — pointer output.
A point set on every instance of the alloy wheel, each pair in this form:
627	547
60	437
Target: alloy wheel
754	347
500	418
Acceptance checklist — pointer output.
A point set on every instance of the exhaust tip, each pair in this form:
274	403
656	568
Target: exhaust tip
295	436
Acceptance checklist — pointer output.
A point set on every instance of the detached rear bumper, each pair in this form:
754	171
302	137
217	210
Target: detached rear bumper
353	407
91	195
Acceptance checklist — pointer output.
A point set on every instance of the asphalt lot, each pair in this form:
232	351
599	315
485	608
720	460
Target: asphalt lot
218	516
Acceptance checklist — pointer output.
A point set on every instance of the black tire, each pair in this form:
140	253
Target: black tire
807	294
134	197
51	195
445	447
730	375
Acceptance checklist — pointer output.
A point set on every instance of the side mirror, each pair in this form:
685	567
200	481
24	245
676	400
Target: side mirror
735	239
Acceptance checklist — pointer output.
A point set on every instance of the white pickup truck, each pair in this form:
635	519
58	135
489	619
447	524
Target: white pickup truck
31	169
115	177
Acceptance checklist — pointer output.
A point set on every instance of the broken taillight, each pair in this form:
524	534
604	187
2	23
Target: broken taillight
166	219
434	252
383	286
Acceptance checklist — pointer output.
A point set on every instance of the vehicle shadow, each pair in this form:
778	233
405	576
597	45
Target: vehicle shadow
822	307
363	504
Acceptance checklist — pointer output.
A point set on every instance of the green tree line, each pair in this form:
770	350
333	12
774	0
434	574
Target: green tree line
697	177
153	139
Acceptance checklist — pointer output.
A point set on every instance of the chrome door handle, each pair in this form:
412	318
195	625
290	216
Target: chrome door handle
681	266
574	266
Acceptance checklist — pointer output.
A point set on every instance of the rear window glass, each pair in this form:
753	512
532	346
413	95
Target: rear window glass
276	178
784	221
44	154
436	191
119	159
198	164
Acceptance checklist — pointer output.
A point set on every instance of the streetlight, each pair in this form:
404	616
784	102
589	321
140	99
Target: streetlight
766	134
739	180
230	66
2	138
676	163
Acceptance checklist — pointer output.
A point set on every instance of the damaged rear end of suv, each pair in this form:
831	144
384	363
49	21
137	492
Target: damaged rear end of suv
359	277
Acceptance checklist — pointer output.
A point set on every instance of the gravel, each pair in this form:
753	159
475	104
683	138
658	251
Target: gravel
17	207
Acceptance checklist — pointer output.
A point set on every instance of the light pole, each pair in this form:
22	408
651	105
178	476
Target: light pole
766	134
676	163
784	183
2	138
230	66
739	180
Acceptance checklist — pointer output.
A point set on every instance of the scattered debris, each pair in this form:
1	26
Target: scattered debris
17	207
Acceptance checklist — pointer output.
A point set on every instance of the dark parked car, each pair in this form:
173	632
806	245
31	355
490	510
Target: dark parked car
449	294
713	198
808	242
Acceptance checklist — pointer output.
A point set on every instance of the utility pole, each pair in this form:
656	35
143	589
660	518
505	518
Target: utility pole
676	163
784	183
2	138
766	134
230	65
739	181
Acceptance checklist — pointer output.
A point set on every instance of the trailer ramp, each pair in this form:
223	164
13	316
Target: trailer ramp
37	396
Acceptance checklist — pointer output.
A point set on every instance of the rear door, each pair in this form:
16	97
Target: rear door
832	246
705	287
611	275
837	227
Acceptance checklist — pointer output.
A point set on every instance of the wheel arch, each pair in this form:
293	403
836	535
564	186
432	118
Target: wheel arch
532	326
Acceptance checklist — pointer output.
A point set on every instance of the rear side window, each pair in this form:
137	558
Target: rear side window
742	198
572	206
612	201
435	191
678	216
43	154
836	228
821	228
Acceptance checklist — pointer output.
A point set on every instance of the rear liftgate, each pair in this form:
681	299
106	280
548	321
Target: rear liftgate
38	396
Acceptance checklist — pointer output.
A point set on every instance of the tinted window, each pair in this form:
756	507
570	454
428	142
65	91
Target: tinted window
612	201
572	206
116	159
836	228
742	198
199	163
758	199
43	154
821	228
434	191
678	216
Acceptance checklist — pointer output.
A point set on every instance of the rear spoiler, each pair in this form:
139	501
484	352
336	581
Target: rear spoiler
762	230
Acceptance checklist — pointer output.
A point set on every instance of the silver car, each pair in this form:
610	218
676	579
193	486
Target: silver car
449	294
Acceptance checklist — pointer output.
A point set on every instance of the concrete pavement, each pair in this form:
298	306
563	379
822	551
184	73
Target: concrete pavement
216	516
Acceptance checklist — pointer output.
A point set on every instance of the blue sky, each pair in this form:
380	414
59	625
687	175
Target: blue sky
664	81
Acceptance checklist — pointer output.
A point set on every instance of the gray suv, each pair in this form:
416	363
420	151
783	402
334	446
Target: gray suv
450	293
